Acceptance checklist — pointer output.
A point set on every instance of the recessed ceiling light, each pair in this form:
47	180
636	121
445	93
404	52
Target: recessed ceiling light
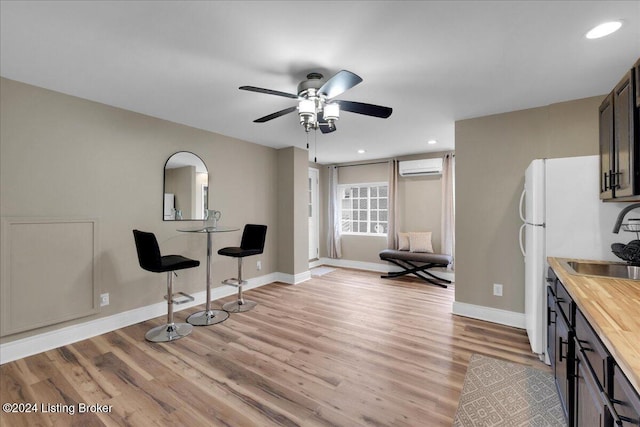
361	151
604	29
432	141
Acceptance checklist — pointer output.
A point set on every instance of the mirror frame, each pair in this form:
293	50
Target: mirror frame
164	178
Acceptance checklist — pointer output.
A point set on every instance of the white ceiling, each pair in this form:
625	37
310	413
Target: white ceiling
432	62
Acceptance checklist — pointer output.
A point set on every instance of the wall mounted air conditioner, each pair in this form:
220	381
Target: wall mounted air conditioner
421	167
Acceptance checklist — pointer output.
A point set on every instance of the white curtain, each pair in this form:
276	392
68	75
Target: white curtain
334	247
448	231
392	226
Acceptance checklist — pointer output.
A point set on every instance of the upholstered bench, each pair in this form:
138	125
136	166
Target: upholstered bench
416	263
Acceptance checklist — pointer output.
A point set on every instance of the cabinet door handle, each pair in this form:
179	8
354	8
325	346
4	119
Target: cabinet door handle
613	180
560	343
549	311
622	417
612	410
609	402
610	179
585	348
606	186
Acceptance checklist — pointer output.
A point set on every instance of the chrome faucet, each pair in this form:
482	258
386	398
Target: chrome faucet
621	216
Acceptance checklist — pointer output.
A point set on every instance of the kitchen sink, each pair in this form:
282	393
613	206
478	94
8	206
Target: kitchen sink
617	270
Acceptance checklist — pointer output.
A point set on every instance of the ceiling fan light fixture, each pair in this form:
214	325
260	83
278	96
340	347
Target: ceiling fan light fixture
604	29
307	113
331	112
306	107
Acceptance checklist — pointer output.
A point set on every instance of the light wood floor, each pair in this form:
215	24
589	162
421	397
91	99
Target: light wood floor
344	349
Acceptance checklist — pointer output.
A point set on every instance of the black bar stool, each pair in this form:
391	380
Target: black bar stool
150	259
252	243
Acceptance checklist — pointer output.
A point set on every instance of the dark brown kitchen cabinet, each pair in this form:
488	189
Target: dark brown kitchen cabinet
589	407
626	402
564	365
606	148
560	346
590	345
552	311
636	67
620	142
592	366
592	388
626	179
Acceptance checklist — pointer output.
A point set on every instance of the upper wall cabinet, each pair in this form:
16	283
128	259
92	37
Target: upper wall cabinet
636	67
606	147
620	141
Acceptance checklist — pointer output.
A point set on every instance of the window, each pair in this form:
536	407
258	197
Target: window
363	208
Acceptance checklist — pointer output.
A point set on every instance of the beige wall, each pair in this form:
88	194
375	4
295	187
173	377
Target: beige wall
492	154
323	185
300	229
293	222
61	157
419	201
363	248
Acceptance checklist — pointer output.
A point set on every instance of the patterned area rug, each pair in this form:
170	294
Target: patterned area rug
499	393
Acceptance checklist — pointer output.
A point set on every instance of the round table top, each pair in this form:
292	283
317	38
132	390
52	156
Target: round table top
209	229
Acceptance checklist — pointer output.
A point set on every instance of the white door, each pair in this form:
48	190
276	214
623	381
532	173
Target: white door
314	222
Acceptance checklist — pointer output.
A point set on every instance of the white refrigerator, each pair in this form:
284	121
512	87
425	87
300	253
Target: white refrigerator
562	217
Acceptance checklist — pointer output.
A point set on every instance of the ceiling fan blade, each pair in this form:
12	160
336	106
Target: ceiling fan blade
327	129
275	115
339	83
268	91
366	109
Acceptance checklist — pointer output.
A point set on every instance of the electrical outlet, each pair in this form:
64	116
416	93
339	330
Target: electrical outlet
497	289
259	265
104	300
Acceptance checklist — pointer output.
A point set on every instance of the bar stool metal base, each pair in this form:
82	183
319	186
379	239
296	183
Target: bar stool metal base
168	332
239	306
206	318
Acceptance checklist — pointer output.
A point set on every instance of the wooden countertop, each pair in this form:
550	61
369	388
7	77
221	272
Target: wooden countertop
612	307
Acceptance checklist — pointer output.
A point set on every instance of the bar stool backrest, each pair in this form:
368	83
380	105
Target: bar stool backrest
253	237
148	251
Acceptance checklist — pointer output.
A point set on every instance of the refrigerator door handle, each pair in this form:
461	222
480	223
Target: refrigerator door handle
520	234
524	193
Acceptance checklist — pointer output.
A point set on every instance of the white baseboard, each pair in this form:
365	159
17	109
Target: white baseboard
490	314
316	263
294	279
358	265
20	348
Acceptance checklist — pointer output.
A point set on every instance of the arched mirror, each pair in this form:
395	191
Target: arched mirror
186	187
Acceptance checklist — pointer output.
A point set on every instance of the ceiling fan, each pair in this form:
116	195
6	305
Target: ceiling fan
317	107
